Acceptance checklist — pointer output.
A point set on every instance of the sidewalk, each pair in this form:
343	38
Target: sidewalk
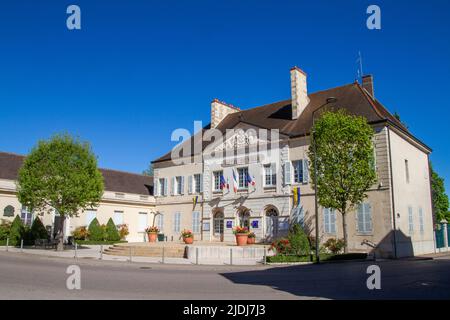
94	252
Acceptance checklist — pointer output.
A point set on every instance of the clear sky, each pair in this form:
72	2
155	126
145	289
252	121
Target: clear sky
139	69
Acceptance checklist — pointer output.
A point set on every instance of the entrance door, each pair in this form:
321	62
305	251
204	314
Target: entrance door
142	224
271	224
218	226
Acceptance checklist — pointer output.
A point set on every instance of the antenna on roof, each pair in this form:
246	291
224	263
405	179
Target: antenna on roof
360	68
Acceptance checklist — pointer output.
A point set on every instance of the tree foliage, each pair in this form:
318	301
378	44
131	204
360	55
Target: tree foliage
440	198
148	171
96	232
60	174
345	161
16	231
112	234
38	230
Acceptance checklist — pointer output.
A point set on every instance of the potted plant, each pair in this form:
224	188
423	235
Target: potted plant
251	239
152	233
188	236
241	234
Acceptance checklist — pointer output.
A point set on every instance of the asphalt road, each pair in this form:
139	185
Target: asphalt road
32	277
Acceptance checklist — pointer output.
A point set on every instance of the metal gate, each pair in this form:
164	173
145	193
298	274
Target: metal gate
440	236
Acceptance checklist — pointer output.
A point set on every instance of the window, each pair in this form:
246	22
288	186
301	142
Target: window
407	170
410	220
300	171
329	216
26	216
216	182
142	222
160	221
177	222
162	187
90	215
364	216
118	217
270	176
243	173
197	183
421	228
196	222
178	184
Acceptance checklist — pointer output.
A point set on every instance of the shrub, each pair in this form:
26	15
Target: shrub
96	232
80	233
152	229
111	231
38	230
16	232
123	231
299	243
251	235
281	246
334	245
187	234
5	227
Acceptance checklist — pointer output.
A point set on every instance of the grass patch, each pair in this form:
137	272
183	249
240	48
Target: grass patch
93	242
2	242
323	258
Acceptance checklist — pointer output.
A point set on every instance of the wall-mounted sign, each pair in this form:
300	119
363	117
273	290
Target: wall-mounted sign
9	211
283	225
206	226
255	224
229	224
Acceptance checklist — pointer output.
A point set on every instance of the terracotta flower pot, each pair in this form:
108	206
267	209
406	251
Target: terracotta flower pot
152	236
189	240
241	239
251	240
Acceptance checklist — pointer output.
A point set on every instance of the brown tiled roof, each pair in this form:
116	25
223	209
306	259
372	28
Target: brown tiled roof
117	181
351	97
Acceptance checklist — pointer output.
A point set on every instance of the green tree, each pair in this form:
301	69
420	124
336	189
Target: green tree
112	234
96	232
298	240
345	162
38	230
440	198
16	232
60	174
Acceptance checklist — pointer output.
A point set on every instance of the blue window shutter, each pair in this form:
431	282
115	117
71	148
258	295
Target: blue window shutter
305	171
287	173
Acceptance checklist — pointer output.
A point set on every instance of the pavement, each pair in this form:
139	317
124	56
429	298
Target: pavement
30	276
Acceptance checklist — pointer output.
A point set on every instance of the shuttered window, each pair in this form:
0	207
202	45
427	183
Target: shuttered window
410	220
177	222
364	218
329	216
196	222
421	227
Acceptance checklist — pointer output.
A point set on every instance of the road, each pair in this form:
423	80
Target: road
25	276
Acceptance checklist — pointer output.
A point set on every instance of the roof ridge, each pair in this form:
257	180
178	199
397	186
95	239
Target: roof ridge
12	154
127	172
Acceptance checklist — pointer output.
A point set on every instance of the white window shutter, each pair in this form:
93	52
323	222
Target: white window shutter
166	185
287	172
172	186
156	188
305	171
182	185
190	184
201	182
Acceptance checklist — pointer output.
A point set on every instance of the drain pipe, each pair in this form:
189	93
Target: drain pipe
392	193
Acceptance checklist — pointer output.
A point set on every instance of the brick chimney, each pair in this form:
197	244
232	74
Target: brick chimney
219	110
367	83
299	92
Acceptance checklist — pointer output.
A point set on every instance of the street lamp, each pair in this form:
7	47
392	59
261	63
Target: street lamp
316	207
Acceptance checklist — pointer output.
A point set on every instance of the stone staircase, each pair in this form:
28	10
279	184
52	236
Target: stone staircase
156	250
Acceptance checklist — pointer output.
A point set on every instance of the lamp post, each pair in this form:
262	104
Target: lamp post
316	207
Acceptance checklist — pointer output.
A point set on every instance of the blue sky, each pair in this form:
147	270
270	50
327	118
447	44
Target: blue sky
139	69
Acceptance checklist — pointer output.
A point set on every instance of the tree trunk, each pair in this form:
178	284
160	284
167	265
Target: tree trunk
60	246
344	229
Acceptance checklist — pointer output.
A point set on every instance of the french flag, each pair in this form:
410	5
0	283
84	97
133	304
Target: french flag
235	181
223	184
250	180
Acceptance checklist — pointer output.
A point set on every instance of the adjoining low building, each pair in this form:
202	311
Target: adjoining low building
127	199
396	219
